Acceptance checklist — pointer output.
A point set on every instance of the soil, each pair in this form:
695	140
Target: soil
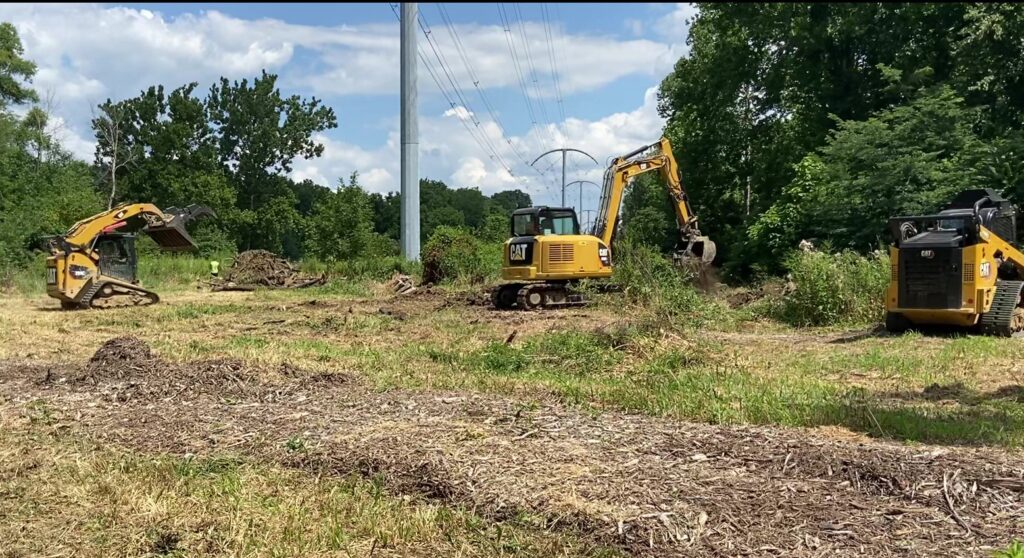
652	487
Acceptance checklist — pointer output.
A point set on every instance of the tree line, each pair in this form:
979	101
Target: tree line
791	121
231	148
820	120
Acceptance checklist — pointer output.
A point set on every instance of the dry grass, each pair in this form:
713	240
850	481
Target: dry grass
924	388
65	495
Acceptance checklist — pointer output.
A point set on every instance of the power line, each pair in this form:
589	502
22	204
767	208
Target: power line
453	81
460	48
533	77
517	65
451	100
553	59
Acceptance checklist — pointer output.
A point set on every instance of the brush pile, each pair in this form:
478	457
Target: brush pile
260	268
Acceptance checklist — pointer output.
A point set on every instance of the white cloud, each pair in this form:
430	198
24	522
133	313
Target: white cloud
675	25
445	145
88	52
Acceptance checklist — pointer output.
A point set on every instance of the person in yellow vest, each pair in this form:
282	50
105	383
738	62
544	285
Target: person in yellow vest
214	268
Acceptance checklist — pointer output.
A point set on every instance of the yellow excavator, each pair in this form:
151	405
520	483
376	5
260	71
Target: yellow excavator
961	267
547	253
94	264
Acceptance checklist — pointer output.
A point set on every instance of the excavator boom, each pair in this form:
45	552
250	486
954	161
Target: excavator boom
652	157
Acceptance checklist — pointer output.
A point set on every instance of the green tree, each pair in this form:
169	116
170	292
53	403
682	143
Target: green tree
909	159
15	71
511	200
341	226
762	82
259	133
43	190
648	217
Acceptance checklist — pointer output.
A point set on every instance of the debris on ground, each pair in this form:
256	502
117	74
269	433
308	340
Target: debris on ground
260	268
478	298
401	283
745	296
393	313
648	486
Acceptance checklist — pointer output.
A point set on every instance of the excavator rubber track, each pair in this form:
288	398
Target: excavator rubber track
535	296
1005	317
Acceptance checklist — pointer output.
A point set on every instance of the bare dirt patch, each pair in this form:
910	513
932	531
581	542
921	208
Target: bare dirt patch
653	487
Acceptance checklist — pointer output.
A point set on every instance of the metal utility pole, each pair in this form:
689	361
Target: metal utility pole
410	219
564	151
581	183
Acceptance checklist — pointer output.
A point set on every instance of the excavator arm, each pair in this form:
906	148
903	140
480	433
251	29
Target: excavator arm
649	158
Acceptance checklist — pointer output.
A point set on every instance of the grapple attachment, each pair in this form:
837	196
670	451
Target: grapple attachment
171	234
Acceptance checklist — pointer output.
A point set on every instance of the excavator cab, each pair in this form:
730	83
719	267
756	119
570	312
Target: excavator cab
544	255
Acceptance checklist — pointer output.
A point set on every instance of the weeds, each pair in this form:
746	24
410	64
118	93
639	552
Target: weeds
457	256
1015	550
106	502
667	292
832	289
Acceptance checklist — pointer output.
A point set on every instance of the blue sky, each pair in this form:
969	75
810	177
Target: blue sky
607	60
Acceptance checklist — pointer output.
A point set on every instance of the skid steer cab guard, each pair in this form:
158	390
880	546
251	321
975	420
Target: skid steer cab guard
95	261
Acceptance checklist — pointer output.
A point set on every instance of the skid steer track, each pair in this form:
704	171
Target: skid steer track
1005	317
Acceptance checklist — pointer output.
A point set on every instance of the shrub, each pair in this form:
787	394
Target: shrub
651	280
834	289
455	255
1015	550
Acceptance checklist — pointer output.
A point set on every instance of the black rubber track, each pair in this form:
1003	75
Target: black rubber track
999	318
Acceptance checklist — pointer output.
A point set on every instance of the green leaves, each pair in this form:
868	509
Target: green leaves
904	103
15	71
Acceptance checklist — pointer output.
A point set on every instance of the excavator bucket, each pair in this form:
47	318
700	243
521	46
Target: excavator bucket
698	248
695	257
171	235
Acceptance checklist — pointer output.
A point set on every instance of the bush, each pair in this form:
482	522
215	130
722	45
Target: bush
830	289
649	279
455	255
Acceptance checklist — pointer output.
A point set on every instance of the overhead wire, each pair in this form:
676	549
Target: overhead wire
450	98
442	61
517	66
464	56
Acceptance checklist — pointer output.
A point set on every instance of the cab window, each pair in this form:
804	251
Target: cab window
523	225
558	222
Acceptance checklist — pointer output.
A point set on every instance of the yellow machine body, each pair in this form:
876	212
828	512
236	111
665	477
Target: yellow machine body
95	260
562	258
958	268
543	260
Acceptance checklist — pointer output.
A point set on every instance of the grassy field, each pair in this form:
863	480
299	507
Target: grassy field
848	384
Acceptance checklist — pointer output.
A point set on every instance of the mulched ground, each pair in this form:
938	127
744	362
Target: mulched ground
650	486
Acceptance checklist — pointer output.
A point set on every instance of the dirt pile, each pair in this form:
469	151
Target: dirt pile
127	370
260	268
117	359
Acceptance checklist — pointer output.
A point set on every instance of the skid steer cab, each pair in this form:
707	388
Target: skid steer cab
961	267
94	264
544	255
